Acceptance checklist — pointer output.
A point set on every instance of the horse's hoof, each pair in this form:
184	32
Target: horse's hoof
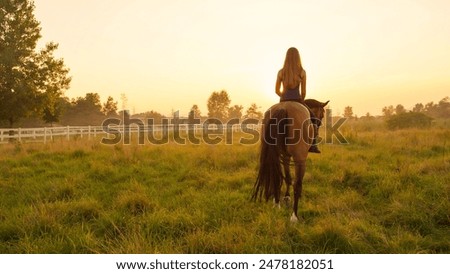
294	218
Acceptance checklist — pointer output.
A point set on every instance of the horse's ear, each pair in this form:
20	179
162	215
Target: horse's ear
326	103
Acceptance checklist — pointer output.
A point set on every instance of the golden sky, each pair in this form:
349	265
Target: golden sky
168	55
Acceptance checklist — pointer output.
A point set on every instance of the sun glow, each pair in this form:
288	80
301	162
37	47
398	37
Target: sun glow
166	56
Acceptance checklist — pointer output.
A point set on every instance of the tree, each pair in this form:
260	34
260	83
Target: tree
218	105
348	112
235	112
388	111
444	108
90	103
194	113
85	111
418	108
30	81
53	114
399	109
439	110
110	107
253	112
429	107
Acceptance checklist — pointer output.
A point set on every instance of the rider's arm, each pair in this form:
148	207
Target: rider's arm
278	84
303	85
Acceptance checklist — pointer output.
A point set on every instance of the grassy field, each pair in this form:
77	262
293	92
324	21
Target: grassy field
385	192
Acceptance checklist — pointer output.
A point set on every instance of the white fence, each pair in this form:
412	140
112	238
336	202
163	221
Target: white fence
46	134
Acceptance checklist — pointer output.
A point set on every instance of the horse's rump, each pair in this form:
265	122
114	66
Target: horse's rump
286	131
286	134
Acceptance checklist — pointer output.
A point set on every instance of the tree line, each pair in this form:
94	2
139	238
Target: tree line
398	117
89	110
218	107
431	109
420	116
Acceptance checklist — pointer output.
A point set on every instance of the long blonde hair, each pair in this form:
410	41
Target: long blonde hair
292	70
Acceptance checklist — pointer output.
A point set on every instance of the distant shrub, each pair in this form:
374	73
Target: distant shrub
408	120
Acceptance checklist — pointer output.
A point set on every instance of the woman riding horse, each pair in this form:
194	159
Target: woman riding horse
289	131
293	76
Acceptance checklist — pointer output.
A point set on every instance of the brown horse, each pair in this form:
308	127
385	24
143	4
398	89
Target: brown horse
287	131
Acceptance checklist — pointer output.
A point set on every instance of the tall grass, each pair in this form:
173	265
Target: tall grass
385	192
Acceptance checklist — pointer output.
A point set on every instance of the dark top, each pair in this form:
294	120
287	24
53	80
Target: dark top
294	95
291	95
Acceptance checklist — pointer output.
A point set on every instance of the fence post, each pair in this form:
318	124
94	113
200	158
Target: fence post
89	132
45	135
18	133
68	133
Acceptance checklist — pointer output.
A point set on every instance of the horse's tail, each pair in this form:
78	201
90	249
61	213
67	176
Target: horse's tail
273	147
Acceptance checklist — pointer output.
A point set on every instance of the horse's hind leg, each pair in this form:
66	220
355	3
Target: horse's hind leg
287	178
300	168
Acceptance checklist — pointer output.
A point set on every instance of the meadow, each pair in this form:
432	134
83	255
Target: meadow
384	192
